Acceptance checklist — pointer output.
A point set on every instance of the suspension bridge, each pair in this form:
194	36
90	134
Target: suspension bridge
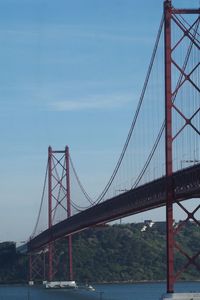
159	164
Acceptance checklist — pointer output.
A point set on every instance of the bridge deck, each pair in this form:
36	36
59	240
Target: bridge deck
186	185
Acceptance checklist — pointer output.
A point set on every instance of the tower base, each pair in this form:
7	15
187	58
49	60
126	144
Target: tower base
181	296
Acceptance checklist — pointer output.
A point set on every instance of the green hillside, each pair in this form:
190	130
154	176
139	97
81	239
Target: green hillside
128	252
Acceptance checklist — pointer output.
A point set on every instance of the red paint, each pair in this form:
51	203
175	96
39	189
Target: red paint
58	170
169	15
168	148
50	256
69	213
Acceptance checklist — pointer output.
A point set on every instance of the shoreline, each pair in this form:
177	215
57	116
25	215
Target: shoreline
143	281
103	283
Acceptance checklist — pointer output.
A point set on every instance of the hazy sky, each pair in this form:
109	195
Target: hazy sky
71	74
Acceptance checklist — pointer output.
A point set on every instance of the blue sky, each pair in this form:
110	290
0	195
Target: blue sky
71	74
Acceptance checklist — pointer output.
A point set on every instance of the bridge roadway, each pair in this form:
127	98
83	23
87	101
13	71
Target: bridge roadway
186	184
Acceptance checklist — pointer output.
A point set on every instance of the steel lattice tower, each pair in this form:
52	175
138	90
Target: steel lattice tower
58	180
170	14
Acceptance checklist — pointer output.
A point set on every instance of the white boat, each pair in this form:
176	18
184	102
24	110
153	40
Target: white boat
89	287
61	285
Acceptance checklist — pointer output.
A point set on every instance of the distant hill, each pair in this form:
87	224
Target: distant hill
12	264
131	252
117	253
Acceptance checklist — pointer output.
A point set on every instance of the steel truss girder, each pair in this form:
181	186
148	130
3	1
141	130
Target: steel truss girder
54	261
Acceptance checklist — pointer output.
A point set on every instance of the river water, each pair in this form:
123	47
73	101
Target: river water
139	291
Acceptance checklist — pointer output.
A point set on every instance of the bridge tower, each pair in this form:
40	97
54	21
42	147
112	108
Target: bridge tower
37	266
47	262
59	202
189	34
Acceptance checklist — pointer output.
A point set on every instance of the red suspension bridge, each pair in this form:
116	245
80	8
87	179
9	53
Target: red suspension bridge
158	165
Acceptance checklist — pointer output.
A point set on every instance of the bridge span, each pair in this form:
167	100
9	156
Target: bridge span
186	185
165	129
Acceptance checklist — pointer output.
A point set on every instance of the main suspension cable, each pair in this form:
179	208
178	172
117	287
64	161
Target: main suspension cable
135	116
163	125
80	184
42	200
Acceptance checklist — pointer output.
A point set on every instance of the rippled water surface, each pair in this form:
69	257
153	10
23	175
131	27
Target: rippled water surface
140	291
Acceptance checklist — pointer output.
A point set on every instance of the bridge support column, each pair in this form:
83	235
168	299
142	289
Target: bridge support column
59	200
50	249
184	74
168	148
37	266
70	259
30	275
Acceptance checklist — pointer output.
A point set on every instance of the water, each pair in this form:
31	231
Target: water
140	291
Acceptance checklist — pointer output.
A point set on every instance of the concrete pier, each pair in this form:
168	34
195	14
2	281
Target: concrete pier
181	296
